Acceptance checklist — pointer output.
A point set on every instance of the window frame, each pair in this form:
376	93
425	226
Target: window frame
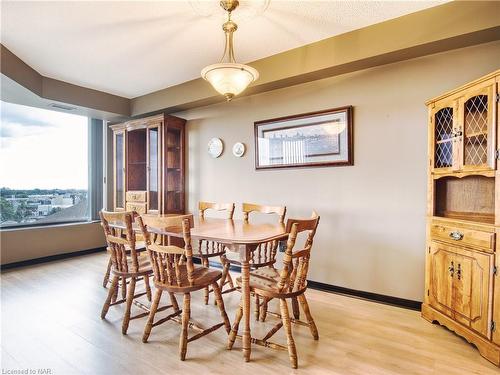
95	182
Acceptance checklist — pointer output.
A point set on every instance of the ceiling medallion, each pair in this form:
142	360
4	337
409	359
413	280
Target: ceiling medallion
228	77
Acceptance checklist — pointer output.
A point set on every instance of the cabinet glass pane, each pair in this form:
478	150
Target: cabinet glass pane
443	137
476	131
174	175
119	175
153	169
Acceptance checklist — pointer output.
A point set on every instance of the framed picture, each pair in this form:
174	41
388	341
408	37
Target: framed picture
311	139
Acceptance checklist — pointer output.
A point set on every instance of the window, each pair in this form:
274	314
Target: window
44	166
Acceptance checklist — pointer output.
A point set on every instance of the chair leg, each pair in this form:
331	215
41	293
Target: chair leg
124	287
285	317
186	312
130	299
173	300
226	276
224	272
148	287
109	298
257	308
152	313
295	308
106	275
310	320
263	309
205	263
115	294
220	305
236	324
230	278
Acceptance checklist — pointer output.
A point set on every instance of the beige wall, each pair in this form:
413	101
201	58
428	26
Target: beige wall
31	243
372	231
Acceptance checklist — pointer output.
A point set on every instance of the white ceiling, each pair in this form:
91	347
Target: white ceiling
133	48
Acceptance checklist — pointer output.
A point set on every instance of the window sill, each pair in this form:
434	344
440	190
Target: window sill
42	226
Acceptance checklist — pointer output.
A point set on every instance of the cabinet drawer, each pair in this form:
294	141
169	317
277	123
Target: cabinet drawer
136	196
140	208
463	236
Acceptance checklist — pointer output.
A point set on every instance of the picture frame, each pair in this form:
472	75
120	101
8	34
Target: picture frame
314	139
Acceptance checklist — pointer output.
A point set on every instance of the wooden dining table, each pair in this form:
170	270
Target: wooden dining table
239	236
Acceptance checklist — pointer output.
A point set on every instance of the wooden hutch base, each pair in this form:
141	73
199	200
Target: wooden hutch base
462	285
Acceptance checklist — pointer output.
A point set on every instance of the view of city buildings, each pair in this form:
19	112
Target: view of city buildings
35	206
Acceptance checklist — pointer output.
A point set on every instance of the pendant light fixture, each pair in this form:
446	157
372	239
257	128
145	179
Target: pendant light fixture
228	77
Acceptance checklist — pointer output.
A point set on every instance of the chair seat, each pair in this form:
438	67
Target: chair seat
264	281
144	267
266	278
203	277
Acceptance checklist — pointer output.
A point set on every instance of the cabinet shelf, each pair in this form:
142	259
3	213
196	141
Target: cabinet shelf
477	138
444	140
475	217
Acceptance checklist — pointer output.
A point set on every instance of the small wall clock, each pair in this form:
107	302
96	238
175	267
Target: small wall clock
215	147
239	149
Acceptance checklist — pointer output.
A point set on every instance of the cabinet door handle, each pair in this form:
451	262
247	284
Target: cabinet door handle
451	268
459	271
456	235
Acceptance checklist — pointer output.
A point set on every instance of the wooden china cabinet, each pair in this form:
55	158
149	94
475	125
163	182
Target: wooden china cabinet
462	285
148	165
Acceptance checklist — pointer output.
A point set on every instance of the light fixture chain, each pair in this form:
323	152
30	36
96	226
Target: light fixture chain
229	28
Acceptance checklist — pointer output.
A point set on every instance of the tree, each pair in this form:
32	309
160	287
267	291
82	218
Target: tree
54	210
6	210
23	212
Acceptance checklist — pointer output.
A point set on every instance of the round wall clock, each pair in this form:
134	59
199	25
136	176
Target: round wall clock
238	149
215	147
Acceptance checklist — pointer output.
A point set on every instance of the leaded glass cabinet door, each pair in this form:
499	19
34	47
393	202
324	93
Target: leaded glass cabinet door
477	110
174	167
119	170
153	168
444	127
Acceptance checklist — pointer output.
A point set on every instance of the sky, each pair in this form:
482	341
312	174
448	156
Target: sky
40	148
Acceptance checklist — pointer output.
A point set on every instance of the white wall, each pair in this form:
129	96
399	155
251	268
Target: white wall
372	231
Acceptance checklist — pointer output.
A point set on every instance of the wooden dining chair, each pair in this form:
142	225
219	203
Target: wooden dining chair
212	249
139	246
265	254
175	273
126	264
290	282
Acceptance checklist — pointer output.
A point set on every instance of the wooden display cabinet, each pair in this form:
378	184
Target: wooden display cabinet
462	286
149	165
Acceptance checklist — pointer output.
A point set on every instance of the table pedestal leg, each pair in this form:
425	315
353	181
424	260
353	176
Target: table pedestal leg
245	295
245	253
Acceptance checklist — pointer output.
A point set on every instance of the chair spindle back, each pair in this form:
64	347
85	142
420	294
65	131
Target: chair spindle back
293	276
118	245
203	206
168	261
247	208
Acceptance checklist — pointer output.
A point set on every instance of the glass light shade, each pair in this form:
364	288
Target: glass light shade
229	79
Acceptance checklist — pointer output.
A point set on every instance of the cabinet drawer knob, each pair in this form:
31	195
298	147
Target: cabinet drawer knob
456	235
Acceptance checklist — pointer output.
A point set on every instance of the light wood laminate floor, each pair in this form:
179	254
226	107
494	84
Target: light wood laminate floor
50	320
